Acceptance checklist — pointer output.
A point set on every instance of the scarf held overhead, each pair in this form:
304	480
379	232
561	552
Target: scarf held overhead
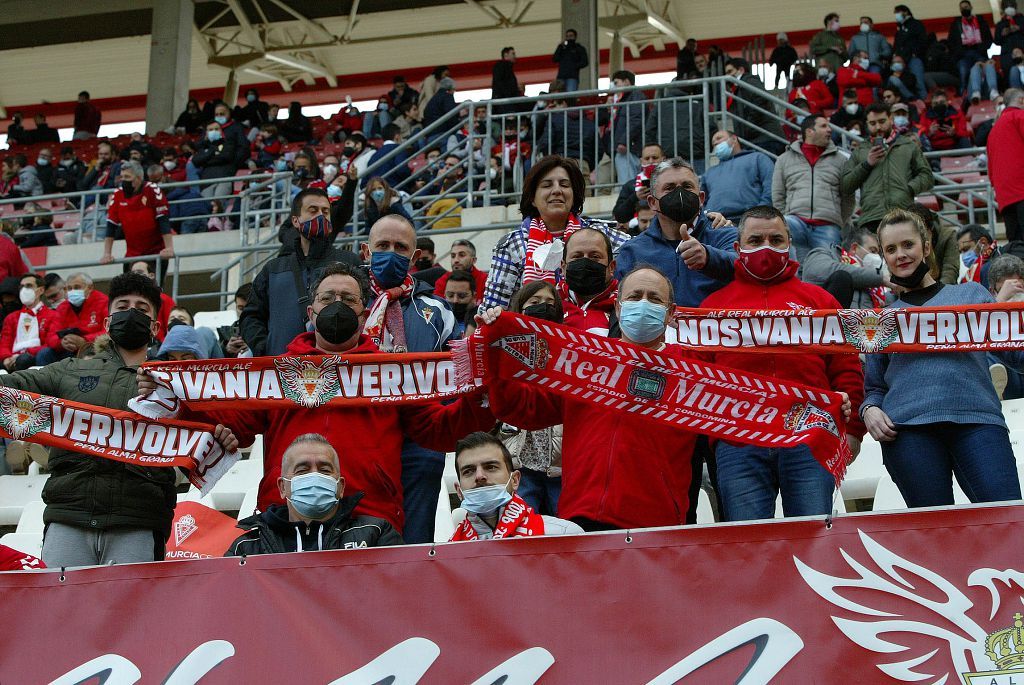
703	398
993	326
111	434
290	382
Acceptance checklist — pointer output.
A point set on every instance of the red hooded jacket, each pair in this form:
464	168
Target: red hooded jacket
836	372
862	80
818	96
368	439
89	319
8	335
594	316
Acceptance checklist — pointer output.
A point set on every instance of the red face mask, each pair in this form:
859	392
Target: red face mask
764	263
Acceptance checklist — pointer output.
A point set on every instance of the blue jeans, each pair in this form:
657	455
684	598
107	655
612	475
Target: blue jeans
627	166
965	65
905	92
48	355
382	119
422	470
751	477
989	70
924	459
572	84
805	237
540	491
1016	80
916	67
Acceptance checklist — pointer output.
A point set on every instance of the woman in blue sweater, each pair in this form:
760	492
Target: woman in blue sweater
936	415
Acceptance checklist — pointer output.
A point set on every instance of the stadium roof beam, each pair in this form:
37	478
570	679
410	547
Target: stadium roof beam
347	36
659	22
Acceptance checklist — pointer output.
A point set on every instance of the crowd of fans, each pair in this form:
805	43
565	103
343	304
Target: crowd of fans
770	226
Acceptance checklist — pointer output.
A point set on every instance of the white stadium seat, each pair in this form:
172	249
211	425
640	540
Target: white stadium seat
1013	412
230	490
15	493
705	514
29	543
214	320
31	521
838	506
443	527
863	474
248	506
888	497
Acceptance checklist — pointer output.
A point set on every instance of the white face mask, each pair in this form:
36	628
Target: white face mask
486	499
864	28
330	172
1010	11
851	109
872	260
27	296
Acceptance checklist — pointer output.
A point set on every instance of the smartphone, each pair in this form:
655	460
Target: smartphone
879	142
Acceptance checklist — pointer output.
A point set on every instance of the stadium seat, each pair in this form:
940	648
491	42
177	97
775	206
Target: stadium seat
29	543
256	451
31	520
705	514
863	474
1013	412
887	495
443	526
449	475
228	493
248	506
215	320
15	493
838	506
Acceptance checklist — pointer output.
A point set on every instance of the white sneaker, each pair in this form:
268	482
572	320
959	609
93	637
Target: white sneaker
975	97
993	94
999	378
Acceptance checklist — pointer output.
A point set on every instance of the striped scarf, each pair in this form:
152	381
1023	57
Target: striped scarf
534	269
386	315
878	293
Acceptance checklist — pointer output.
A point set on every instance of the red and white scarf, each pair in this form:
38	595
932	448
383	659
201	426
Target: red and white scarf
386	315
970	31
878	293
593	315
27	334
517	520
537	257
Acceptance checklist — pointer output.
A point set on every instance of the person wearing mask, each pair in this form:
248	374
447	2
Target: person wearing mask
945	126
139	210
254	113
316	516
805	188
380	199
783	57
45	169
191	121
873	44
26	177
55	290
928	434
890	172
26	330
827	46
1005	149
903	115
276	310
69	173
610	462
850	111
215	158
827	75
589	289
969	41
750	477
79	320
683	241
742	178
99	511
911	43
977	249
232	130
488	486
808	87
755	121
462	257
853	272
1009	36
551	202
638	189
357	153
859	77
460	294
570	57
902	79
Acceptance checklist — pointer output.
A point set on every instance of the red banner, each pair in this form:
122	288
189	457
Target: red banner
870	598
199	532
996	326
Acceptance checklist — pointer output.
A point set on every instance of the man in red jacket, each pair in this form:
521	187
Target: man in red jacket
751	477
463	258
368	439
588	291
139	210
618	470
78	320
25	331
1005	152
945	126
857	76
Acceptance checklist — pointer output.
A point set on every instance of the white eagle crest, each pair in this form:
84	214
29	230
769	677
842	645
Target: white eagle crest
307	383
911	600
22	416
869	330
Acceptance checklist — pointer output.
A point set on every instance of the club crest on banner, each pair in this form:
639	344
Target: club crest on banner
803	416
307	383
648	385
526	348
183	527
869	330
22	416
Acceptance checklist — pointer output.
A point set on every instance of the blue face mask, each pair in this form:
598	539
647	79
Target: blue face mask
281	165
487	499
723	150
900	121
389	268
313	494
250	98
221	120
213	136
377	195
76	297
642	321
333	191
968	258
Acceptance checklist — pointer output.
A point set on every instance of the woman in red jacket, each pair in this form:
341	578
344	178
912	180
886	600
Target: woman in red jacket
807	86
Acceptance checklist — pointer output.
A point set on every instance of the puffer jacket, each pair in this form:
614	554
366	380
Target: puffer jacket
270	532
811	192
90	492
892	183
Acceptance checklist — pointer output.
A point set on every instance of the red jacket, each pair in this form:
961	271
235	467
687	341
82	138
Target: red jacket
13	560
1005	152
837	372
368	439
818	96
11	261
479	276
940	139
594	316
47	320
139	216
167	303
617	468
89	319
864	81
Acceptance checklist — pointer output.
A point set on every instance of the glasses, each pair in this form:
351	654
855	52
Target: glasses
329	296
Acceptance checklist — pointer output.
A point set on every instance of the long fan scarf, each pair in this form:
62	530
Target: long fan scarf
517	520
385	315
544	250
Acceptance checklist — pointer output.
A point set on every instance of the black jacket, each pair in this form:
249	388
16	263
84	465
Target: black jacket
956	45
1009	41
571	58
256	113
504	83
271	532
911	39
216	159
747	106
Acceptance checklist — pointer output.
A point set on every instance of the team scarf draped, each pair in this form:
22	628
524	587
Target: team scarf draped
974	271
260	383
877	293
723	403
117	435
542	248
517	520
385	315
801	330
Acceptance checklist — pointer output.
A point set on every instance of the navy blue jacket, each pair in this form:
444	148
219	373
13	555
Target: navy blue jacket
394	170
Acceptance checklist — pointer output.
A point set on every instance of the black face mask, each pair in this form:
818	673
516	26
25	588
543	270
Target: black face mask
301	173
130	329
459	310
914	279
423	263
965	13
680	205
337	322
1018	60
128	188
348	150
543	310
175	322
586	277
